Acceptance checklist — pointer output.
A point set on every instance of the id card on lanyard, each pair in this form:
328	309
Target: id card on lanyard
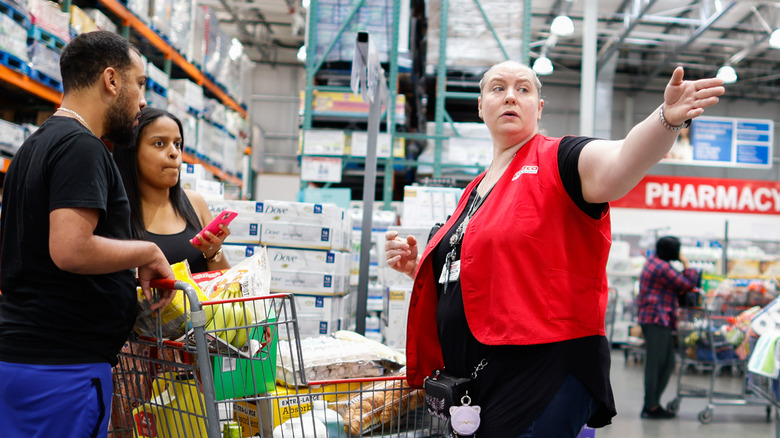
451	271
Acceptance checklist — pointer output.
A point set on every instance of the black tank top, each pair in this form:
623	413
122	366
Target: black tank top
177	248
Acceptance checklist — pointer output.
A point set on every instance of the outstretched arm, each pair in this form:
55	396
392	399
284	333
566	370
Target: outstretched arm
609	169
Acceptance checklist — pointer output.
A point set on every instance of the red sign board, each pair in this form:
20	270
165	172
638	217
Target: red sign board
703	194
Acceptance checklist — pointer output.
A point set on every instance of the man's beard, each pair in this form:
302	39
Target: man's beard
120	126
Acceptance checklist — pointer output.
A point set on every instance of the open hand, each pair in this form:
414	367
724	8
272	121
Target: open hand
685	100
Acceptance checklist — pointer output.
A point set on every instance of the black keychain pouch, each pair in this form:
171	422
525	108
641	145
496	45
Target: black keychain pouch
442	391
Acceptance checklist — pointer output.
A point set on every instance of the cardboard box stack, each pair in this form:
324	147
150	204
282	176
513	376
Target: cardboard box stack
307	249
380	222
427	206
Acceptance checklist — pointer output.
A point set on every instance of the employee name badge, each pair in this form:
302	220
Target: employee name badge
450	272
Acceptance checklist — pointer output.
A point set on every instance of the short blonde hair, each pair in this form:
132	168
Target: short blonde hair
483	81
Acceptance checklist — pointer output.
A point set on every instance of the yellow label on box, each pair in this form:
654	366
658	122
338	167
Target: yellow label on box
284	403
397	295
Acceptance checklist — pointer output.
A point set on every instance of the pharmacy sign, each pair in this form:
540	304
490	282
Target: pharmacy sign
703	194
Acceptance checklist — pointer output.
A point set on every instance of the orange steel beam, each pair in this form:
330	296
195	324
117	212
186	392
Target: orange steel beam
129	19
30	85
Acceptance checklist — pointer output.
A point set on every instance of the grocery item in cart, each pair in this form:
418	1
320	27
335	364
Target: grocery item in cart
173	317
175	411
342	355
381	404
765	359
303	426
767	319
253	275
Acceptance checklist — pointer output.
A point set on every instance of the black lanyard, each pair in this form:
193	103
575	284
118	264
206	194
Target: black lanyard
457	238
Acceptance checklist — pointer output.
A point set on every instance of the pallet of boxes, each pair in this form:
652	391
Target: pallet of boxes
308	248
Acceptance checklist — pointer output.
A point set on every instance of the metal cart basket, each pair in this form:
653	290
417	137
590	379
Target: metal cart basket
204	385
701	346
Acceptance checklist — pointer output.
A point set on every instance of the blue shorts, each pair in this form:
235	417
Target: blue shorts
44	401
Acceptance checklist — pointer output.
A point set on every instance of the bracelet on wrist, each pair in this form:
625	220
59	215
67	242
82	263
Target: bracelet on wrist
215	258
669	126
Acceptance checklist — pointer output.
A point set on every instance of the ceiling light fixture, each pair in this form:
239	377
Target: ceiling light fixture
236	49
543	66
562	25
302	54
727	74
774	39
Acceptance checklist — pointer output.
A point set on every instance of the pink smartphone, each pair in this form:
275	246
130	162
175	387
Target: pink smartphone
224	217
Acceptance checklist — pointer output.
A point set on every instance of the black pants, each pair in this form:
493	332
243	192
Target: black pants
659	363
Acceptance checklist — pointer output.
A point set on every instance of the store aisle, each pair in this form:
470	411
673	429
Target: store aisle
728	421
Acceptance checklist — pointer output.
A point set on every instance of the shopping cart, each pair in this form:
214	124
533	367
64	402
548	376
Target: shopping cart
769	389
203	385
701	345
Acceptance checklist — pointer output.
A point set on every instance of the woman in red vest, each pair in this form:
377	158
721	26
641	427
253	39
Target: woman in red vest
516	278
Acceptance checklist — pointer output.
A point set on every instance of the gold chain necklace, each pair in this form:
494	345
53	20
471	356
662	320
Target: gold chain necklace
78	116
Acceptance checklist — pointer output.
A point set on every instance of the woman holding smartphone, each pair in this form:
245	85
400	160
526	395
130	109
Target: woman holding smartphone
160	210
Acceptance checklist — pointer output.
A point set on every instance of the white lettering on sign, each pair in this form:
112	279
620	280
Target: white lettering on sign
712	197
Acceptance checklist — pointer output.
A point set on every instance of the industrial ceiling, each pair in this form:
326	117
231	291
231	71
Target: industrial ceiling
647	37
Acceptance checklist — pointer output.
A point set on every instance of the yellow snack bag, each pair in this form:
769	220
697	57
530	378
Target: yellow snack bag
173	317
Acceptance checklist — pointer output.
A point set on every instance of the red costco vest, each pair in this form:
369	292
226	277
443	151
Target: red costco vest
533	265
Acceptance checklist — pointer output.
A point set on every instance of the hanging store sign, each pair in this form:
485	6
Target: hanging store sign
724	142
703	194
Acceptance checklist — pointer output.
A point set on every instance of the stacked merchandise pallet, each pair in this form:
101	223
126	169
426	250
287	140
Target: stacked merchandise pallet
214	133
375	17
307	248
157	84
380	223
188	44
196	177
47	36
32	36
334	151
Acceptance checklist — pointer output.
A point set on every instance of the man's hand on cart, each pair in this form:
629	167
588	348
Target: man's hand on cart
159	268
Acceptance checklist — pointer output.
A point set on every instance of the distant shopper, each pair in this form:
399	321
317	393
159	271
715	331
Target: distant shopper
517	275
69	296
660	286
161	211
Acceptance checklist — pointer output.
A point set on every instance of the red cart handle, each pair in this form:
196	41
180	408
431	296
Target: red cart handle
163	284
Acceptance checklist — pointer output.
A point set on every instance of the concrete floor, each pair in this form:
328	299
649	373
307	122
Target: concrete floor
727	421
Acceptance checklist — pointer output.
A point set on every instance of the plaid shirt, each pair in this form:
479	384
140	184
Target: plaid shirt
659	286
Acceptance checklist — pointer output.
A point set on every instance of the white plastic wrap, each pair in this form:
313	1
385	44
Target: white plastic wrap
470	43
342	355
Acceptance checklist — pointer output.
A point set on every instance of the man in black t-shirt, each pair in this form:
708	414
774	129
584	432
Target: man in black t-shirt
66	261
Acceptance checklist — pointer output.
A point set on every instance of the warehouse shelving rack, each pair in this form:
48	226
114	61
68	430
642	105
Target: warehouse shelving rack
131	23
314	64
313	67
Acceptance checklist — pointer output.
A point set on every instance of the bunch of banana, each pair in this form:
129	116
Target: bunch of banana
244	317
228	315
233	290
